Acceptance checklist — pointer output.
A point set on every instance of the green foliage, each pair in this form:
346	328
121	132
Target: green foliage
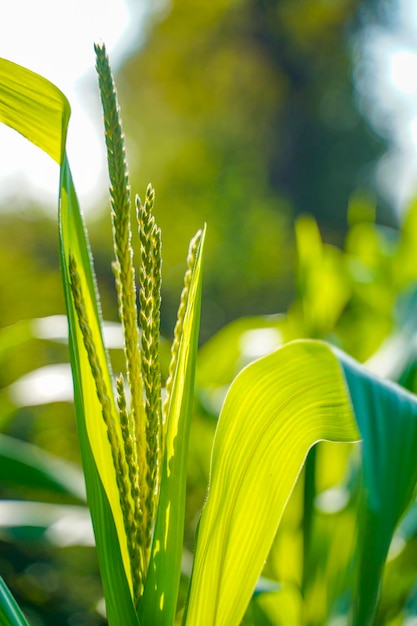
276	409
325	531
242	114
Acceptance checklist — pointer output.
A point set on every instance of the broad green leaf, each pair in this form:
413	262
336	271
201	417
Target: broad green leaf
10	613
38	110
159	602
274	412
387	419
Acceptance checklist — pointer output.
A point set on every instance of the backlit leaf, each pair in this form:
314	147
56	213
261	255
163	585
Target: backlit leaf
39	111
275	410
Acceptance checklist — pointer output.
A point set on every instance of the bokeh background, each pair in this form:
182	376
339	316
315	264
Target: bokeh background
245	114
242	114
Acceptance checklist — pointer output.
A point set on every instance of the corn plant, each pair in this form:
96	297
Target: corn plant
134	434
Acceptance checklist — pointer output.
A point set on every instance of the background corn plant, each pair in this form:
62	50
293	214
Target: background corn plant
275	410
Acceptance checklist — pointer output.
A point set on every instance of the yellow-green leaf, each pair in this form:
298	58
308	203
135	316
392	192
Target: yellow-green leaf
38	110
102	493
275	410
34	107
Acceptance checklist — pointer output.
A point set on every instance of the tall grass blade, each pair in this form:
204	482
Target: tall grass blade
102	492
38	110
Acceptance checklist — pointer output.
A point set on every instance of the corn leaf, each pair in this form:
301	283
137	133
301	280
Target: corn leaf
275	410
38	110
102	493
158	605
386	416
10	613
34	107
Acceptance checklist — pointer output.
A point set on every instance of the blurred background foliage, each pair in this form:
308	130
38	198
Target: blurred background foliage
243	114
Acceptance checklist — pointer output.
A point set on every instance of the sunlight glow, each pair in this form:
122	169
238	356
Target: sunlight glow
402	69
386	79
55	328
256	343
66	525
51	383
56	40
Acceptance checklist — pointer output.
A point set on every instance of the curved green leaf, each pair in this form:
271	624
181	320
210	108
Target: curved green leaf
102	492
275	410
159	602
34	107
38	110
